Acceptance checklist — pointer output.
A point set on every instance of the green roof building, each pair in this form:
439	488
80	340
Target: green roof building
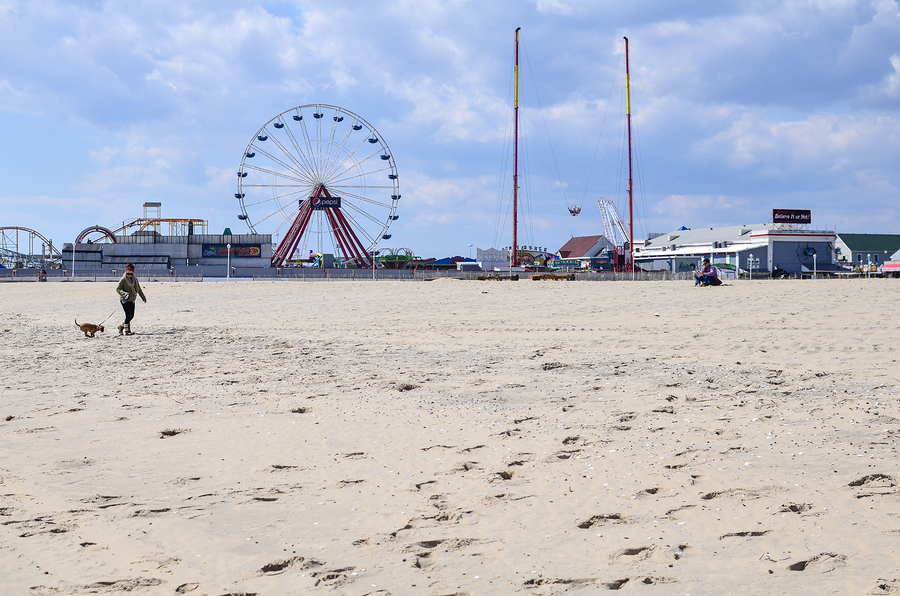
861	249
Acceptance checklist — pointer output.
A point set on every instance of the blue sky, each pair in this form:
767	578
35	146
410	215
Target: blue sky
739	108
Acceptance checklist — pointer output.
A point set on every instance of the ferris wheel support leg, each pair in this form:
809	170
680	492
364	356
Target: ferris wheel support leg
288	244
364	257
341	234
298	233
338	235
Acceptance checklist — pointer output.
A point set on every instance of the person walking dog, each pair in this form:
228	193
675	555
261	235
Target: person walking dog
129	289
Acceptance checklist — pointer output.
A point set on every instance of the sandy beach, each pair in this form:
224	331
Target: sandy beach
451	437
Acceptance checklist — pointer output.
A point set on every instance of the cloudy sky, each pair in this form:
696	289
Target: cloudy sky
739	107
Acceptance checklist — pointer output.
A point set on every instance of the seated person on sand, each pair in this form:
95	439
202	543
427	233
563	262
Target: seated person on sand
708	276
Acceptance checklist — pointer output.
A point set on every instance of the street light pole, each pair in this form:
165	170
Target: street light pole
228	263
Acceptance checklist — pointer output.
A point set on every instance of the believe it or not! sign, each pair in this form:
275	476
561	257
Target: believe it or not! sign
792	216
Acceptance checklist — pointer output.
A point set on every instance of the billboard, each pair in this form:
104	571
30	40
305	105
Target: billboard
324	202
237	250
792	216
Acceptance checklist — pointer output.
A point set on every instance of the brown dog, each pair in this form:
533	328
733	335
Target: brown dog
89	328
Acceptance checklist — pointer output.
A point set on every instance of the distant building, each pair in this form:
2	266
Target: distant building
491	258
584	247
494	259
891	267
585	252
150	250
861	249
789	248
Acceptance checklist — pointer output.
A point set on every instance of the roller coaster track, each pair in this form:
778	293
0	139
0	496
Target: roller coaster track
13	255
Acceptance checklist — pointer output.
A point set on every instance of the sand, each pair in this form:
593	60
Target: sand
451	437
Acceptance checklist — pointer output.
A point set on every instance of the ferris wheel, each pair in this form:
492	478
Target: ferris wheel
323	180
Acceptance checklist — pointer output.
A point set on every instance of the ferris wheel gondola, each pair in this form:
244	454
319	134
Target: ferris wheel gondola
328	184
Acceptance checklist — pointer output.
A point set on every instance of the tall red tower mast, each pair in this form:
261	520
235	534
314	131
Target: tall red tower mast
630	254
515	248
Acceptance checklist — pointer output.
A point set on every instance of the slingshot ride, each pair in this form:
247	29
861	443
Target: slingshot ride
323	179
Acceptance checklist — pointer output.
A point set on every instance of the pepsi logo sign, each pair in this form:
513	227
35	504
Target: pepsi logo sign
324	202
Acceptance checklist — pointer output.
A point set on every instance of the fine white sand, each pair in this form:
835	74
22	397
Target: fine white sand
451	437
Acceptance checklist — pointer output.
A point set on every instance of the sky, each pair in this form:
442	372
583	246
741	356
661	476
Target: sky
738	108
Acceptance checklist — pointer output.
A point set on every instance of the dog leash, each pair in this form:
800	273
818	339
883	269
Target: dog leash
110	314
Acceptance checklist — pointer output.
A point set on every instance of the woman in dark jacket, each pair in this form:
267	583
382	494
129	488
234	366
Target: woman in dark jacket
129	289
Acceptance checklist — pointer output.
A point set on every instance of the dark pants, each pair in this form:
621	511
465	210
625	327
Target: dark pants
128	307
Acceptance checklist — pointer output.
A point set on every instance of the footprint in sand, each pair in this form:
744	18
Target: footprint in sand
594	520
823	563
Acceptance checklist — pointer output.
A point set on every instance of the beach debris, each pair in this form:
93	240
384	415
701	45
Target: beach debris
171	432
631	552
752	534
123	585
542	581
467	449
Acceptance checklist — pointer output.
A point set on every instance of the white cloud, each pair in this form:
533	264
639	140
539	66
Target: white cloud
892	87
553	6
829	142
681	206
102	156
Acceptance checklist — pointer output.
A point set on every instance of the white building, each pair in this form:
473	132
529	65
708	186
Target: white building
774	247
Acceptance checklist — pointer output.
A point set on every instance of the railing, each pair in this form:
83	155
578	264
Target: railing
199	274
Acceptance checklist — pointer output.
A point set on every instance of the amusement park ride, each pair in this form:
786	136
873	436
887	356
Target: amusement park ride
615	229
18	248
18	245
324	180
152	220
614	226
